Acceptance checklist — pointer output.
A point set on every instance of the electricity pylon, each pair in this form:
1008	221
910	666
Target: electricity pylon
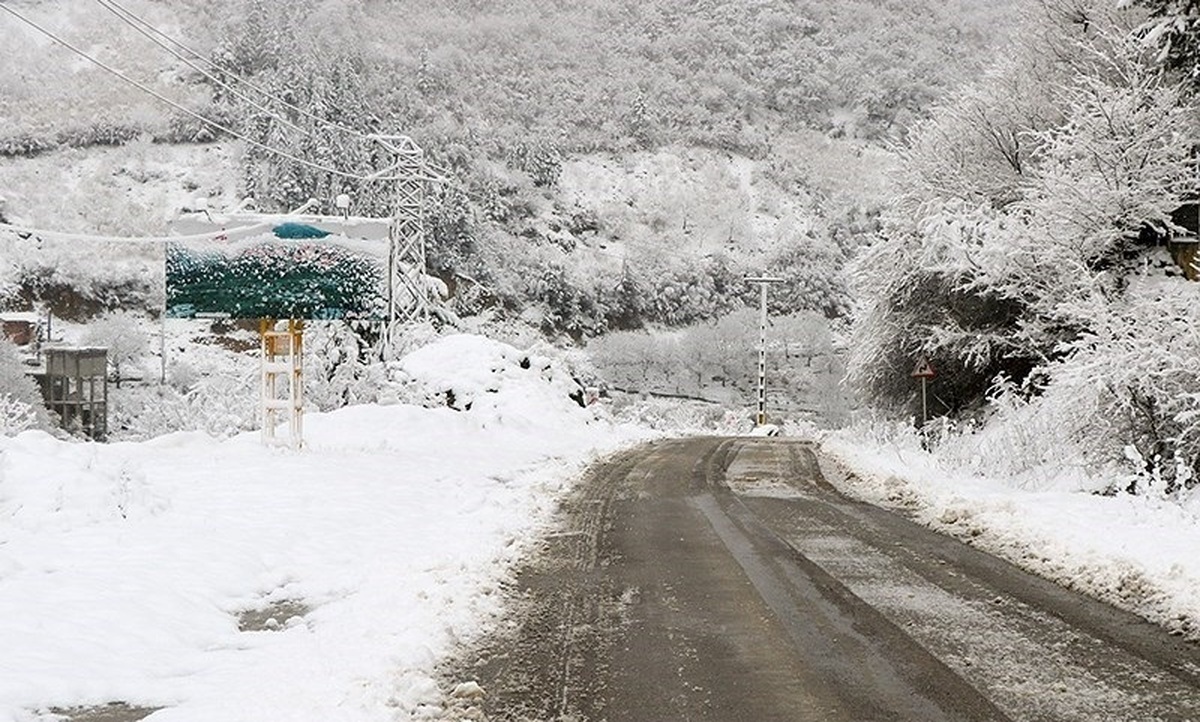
407	289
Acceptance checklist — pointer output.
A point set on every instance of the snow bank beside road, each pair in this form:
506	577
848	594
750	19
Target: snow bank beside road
125	569
1136	552
493	380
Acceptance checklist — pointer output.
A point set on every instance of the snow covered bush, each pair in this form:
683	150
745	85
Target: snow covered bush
340	369
15	415
1032	441
137	413
220	404
1134	385
20	402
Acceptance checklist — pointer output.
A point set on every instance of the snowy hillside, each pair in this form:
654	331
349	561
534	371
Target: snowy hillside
136	189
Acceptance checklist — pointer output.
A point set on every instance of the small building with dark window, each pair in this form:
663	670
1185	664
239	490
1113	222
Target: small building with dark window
74	386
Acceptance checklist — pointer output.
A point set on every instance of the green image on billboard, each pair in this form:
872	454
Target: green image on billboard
294	271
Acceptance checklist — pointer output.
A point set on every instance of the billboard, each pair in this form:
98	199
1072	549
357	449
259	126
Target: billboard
290	270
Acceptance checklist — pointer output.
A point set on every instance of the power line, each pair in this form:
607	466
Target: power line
219	126
149	31
28	232
122	11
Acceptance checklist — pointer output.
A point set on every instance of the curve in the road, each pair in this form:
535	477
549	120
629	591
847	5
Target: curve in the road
724	579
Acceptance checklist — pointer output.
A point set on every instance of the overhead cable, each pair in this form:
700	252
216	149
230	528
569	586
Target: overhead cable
236	77
147	30
219	126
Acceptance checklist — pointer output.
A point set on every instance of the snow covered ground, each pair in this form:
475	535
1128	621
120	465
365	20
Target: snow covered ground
225	580
218	579
1136	552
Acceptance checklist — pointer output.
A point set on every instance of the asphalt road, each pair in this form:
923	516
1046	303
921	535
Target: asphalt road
725	579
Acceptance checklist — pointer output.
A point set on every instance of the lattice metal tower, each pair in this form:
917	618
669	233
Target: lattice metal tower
407	291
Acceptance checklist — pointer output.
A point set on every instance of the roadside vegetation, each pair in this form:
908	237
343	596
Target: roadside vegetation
1026	254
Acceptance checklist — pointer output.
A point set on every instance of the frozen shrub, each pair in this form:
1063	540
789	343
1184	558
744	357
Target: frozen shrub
20	402
1133	380
25	145
15	415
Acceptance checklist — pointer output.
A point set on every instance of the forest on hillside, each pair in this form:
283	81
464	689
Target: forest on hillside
503	95
528	83
492	76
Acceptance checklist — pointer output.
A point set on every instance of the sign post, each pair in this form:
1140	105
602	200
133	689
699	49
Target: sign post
282	361
924	371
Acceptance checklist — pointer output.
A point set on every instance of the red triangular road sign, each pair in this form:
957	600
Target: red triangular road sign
923	370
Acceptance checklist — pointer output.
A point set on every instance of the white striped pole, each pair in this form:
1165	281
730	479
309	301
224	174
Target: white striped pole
763	282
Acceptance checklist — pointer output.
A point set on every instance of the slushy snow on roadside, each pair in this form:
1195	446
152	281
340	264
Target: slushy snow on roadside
1135	552
149	573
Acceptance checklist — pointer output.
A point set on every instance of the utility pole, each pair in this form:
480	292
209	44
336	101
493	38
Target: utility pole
763	282
924	371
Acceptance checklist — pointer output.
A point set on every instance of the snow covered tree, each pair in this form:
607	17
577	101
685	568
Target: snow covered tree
124	335
310	55
631	359
1132	385
626	302
813	278
984	280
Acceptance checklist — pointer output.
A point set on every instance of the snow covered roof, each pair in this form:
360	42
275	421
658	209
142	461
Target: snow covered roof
25	316
371	229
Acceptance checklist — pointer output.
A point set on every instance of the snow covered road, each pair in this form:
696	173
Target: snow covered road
725	579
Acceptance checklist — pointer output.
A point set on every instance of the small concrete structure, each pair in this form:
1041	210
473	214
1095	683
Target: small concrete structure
75	386
19	327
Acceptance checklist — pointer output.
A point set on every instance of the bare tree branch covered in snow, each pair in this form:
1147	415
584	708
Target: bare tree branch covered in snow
1032	254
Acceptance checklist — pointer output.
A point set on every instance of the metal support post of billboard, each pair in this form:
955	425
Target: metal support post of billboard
282	360
760	417
407	291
